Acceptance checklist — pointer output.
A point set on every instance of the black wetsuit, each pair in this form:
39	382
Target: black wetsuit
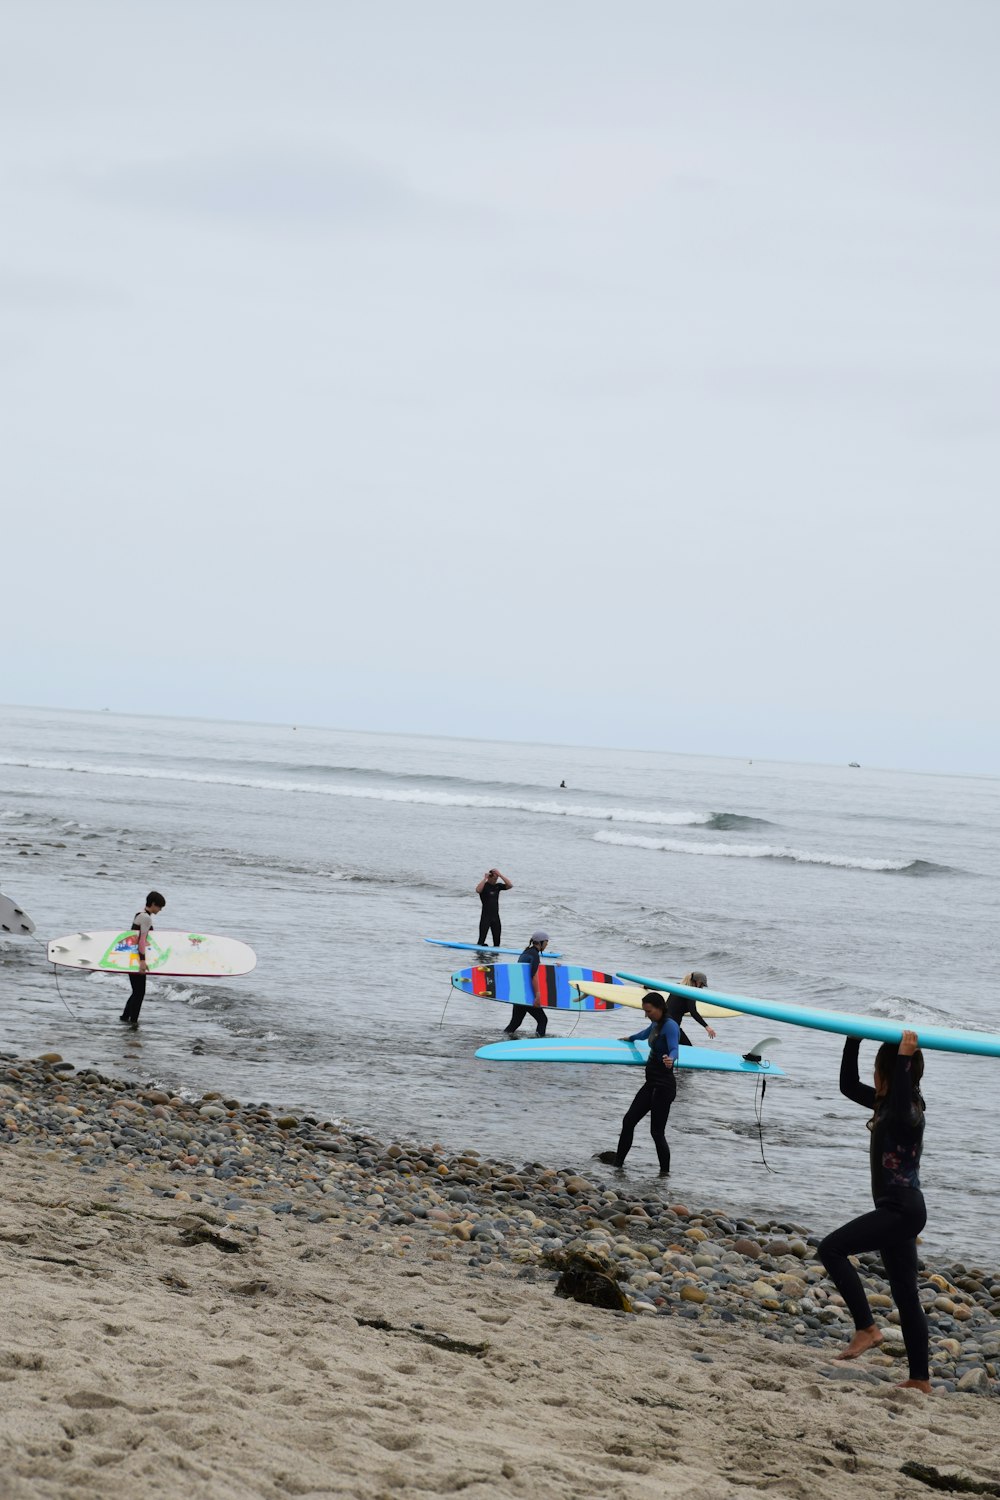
532	956
489	922
899	1215
679	1006
657	1093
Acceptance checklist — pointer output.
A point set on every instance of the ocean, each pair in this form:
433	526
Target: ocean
335	853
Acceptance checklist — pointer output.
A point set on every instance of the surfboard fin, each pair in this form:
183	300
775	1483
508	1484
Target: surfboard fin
759	1052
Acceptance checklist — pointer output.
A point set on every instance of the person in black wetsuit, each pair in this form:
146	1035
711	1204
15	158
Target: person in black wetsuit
142	923
532	955
660	1088
897	1128
488	891
678	1006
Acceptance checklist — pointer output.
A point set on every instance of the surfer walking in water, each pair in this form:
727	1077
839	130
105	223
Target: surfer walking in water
659	1090
488	891
897	1134
679	1006
142	923
532	955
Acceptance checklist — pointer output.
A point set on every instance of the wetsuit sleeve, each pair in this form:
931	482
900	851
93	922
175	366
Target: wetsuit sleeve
672	1033
900	1103
850	1083
696	1015
640	1036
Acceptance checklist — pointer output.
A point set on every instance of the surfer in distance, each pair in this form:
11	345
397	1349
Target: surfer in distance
532	955
659	1090
897	1134
488	891
142	923
679	1006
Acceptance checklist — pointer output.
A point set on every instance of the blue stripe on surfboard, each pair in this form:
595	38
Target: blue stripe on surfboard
842	1023
629	1054
484	948
511	984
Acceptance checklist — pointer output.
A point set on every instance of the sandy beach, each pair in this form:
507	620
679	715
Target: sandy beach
153	1338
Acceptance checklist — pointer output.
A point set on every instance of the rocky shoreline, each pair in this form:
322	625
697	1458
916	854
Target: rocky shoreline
233	1161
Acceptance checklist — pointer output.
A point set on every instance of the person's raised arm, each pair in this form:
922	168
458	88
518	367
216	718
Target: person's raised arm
850	1083
503	881
485	881
900	1102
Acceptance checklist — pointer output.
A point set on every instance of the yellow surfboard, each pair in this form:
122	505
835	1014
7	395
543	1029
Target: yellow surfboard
631	995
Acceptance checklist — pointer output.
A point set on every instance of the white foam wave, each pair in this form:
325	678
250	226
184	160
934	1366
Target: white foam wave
556	809
752	851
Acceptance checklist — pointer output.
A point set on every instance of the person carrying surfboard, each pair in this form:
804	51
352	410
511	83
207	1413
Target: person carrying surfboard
488	891
897	1134
679	1006
532	955
659	1090
142	923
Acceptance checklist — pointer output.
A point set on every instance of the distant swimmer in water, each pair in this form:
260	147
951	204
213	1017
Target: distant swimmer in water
562	786
488	890
678	1006
660	1088
532	955
142	923
897	1135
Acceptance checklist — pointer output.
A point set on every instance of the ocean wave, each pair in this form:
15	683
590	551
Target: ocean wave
556	808
776	852
725	822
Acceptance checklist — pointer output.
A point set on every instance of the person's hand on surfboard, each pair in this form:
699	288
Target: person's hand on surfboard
909	1044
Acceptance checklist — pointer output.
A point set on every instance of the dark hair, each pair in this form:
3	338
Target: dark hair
657	998
155	899
885	1061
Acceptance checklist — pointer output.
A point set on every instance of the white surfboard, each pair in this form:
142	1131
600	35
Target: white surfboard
13	921
631	995
186	955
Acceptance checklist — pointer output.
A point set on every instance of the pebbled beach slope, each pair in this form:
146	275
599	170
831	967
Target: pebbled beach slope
210	1299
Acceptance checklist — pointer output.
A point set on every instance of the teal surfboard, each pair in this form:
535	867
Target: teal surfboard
842	1023
484	948
511	985
582	1049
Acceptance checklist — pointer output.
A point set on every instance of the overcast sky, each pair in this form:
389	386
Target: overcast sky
605	373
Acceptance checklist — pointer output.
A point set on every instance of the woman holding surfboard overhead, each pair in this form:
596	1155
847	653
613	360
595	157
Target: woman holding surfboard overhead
897	1133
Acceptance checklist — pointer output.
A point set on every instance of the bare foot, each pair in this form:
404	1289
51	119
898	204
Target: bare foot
915	1385
863	1340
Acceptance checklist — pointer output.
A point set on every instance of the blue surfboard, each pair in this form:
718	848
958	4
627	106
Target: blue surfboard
581	1049
842	1023
511	985
484	948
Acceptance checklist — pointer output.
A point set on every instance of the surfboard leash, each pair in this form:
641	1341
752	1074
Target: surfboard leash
760	1090
446	1004
55	975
